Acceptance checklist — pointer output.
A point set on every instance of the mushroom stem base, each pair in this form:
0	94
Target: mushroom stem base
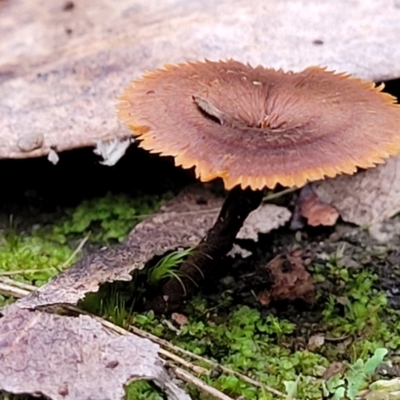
216	244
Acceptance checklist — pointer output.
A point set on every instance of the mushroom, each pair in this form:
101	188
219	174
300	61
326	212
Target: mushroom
256	128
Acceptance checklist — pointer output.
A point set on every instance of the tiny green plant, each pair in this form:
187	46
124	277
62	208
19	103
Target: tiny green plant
109	218
356	378
167	267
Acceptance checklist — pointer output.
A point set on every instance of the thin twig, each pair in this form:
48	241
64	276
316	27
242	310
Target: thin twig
75	252
276	195
23	271
21	285
185	376
8	290
165	343
187	364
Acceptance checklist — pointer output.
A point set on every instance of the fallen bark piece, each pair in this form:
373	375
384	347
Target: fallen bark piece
181	223
165	231
61	69
74	358
365	198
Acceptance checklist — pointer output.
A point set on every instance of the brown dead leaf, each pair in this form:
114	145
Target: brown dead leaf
333	369
291	282
62	68
74	358
183	222
318	213
366	198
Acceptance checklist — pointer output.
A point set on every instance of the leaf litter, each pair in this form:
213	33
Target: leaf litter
65	357
48	342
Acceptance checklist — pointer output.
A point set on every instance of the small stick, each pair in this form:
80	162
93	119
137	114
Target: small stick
76	251
185	376
8	290
16	289
21	285
276	195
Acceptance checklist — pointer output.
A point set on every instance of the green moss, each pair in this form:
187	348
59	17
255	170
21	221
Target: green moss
108	218
142	390
37	255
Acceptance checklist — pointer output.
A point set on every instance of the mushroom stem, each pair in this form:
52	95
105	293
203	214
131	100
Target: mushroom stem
216	244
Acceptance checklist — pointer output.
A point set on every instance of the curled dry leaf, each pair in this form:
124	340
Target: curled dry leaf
73	358
290	282
60	71
180	223
318	213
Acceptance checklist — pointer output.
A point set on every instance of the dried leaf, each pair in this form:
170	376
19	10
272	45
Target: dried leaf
73	358
179	318
366	198
62	67
333	369
318	213
263	220
183	222
315	342
291	282
112	150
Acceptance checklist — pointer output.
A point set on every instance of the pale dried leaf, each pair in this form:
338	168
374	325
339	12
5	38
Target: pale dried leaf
112	150
384	390
263	220
74	358
53	157
62	68
315	342
237	250
366	198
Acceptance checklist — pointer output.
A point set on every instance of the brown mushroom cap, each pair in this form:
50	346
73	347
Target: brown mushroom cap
259	127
